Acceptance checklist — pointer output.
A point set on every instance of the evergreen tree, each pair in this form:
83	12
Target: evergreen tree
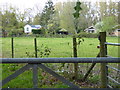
47	14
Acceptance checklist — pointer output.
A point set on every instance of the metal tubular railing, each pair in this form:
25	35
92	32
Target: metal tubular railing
37	61
113	68
109	86
113	80
113	44
108	66
60	60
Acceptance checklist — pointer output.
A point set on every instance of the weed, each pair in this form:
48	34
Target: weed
43	51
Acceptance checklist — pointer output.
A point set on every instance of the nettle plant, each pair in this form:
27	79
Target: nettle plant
43	51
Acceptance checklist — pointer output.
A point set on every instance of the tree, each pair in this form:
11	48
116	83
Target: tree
107	9
86	18
13	20
47	15
38	15
9	19
107	24
65	15
37	19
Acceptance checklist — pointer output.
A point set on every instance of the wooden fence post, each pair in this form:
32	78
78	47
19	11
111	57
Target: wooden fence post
103	53
118	48
35	43
12	47
75	55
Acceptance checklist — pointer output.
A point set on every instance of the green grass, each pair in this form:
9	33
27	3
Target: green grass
60	47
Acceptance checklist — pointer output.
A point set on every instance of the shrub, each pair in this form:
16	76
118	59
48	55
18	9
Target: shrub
88	35
38	31
15	32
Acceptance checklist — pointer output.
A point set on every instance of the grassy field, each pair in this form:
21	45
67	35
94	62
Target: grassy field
59	47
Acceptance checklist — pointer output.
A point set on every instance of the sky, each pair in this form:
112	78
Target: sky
30	3
26	3
23	4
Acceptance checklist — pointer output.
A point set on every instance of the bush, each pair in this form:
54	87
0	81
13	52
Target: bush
38	31
88	35
15	32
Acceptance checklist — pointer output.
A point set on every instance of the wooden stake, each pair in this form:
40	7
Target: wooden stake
35	43
75	55
12	47
103	53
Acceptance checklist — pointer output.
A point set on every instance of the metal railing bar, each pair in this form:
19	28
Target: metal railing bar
57	76
114	44
113	80
60	60
109	86
15	74
113	68
60	89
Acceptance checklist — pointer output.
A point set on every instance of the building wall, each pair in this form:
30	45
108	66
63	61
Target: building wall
27	29
117	33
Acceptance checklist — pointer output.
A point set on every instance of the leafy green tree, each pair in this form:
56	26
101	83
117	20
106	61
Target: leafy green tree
13	20
36	20
107	9
107	24
47	15
65	13
9	19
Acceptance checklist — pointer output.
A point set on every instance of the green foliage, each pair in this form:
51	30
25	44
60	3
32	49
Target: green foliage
34	31
76	15
47	18
15	32
94	79
44	51
65	15
47	13
107	24
88	35
9	20
59	47
77	9
38	31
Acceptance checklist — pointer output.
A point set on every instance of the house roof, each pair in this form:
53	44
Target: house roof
90	28
63	30
35	26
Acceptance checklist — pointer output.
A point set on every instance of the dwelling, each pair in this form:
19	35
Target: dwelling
90	29
28	28
63	31
116	32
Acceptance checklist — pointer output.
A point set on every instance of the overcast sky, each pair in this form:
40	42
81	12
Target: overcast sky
26	3
22	4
